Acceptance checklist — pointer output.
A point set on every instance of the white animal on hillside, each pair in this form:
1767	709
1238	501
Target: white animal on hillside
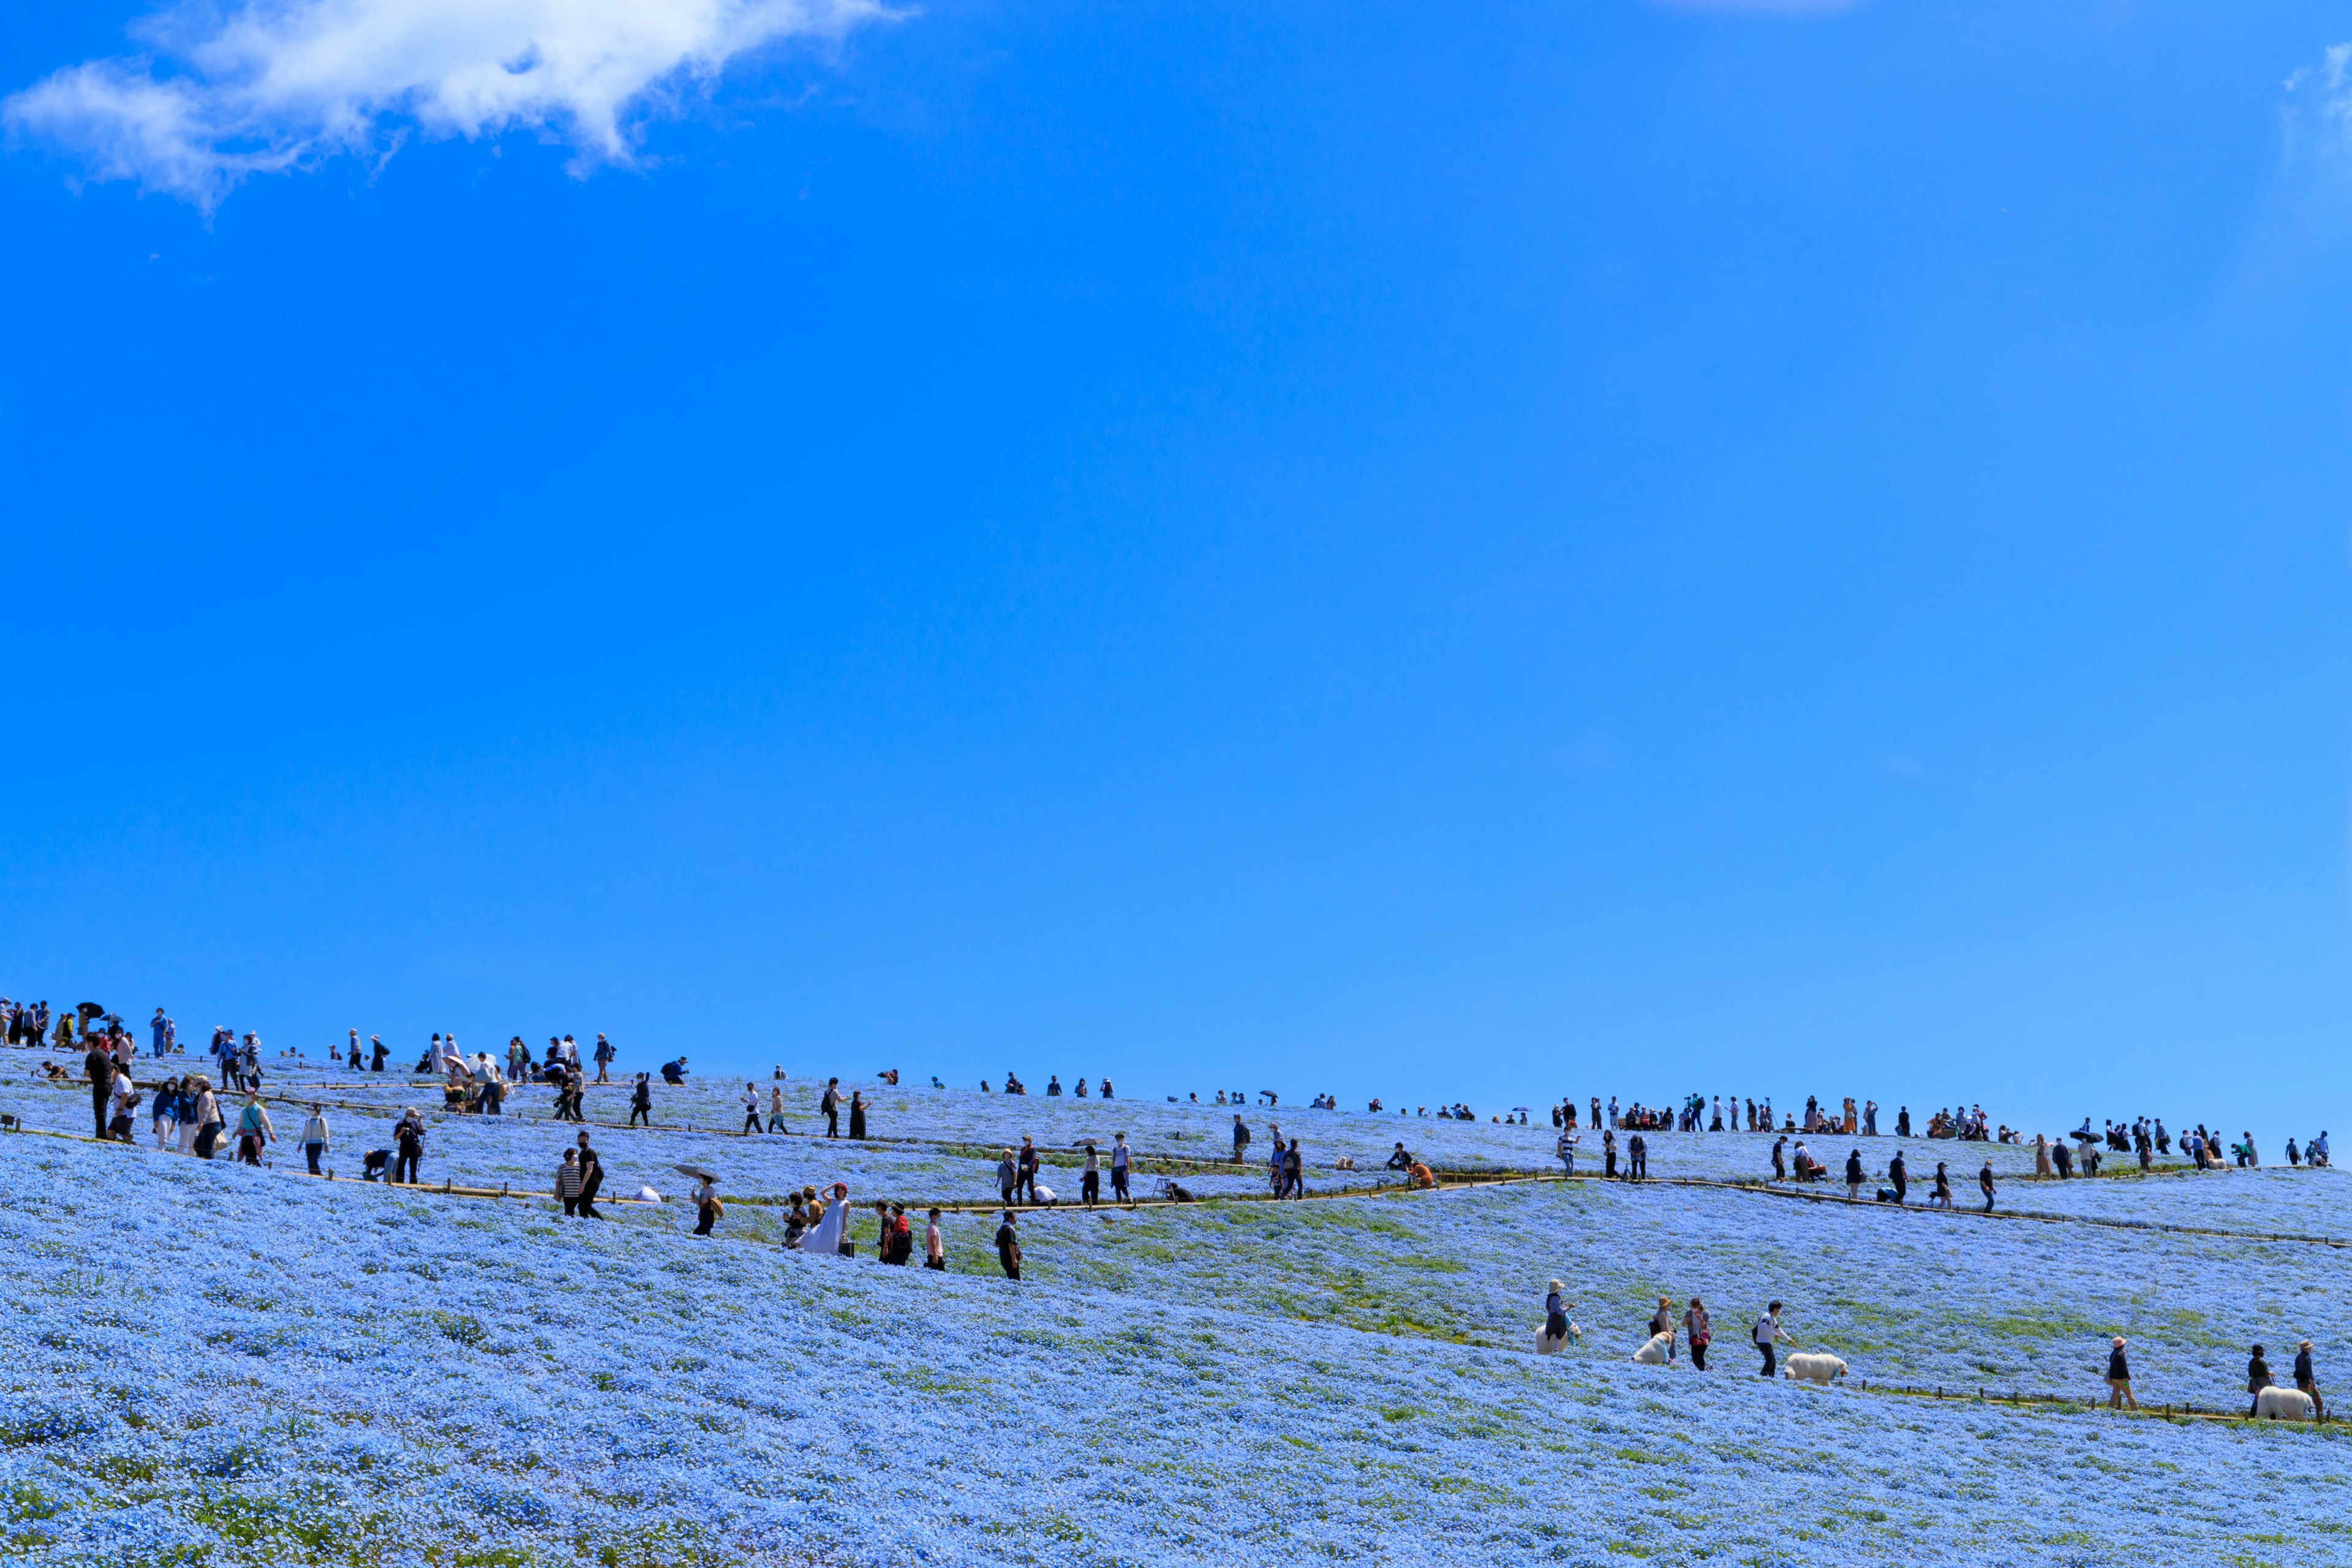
1546	1345
647	1196
1656	1351
1815	1368
2283	1405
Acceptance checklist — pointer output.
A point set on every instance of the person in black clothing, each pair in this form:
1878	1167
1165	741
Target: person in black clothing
1903	1122
2119	1390
857	1113
592	1178
376	1046
100	1067
1896	1174
1008	1247
1984	1181
831	1106
2258	1377
1854	1176
1400	1161
1609	1153
1024	1171
1780	1165
2063	1159
641	1102
674	1073
1241	1137
2306	1382
409	1138
1293	1173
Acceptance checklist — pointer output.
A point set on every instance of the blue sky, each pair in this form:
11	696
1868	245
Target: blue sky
1607	549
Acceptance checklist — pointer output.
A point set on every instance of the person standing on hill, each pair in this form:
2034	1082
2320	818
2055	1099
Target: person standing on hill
314	1136
1900	1176
1639	1170
1008	1177
253	1130
1903	1121
567	1182
935	1252
2305	1381
2258	1377
1662	1321
857	1113
2119	1389
1564	1146
1767	1334
99	1065
830	1104
1853	1177
592	1179
1780	1165
1241	1138
1090	1179
641	1102
1118	1164
378	1053
1025	1170
408	1142
1984	1182
1293	1173
1698	1332
1008	1247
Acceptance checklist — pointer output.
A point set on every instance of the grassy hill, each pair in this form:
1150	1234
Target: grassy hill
213	1363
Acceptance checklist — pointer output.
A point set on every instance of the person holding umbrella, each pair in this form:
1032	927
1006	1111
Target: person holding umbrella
706	1208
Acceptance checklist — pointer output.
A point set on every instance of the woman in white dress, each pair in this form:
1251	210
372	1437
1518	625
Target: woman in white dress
826	1236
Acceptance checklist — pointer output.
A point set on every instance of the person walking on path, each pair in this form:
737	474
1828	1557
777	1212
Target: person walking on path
314	1136
2258	1377
1008	1177
1091	1180
1767	1334
1294	1172
1026	1171
1241	1138
2306	1382
166	1109
751	1108
1118	1164
1565	1148
1984	1182
831	1105
379	1053
641	1103
592	1179
1943	1193
1697	1333
857	1113
776	1110
253	1129
605	1055
935	1252
2119	1390
1008	1247
1853	1177
1780	1165
100	1064
1897	1173
567	1182
200	1127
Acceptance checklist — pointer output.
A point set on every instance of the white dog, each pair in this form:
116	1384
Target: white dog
2283	1405
1809	1368
1546	1345
1658	1351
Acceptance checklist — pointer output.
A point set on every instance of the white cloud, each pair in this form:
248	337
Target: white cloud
275	84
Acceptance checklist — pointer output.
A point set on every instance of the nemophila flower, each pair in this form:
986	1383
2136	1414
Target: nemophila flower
208	1360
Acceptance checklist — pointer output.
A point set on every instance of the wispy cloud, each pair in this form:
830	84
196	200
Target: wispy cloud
221	94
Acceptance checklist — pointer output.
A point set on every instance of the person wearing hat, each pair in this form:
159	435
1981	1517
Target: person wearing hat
2306	1382
1555	1313
2119	1389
